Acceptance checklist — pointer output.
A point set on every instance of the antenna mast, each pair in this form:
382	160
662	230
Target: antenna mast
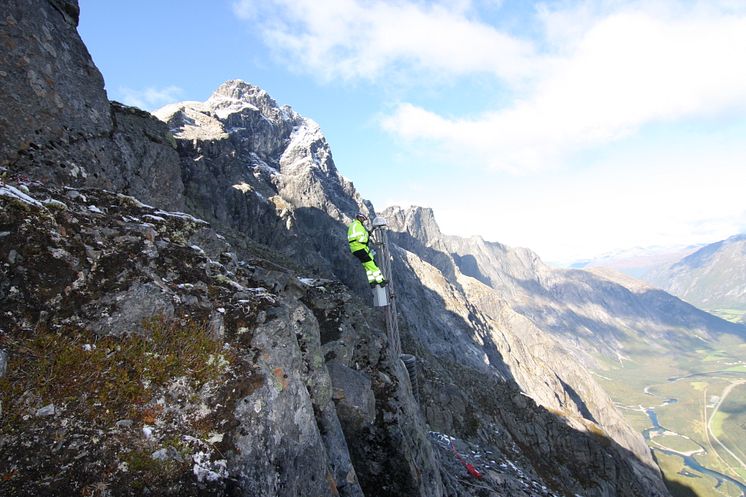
386	297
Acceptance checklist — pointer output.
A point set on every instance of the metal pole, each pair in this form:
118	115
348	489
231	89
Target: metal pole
383	255
384	263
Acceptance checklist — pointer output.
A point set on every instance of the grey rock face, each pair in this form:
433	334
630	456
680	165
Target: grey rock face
280	427
145	162
488	335
3	362
96	253
356	403
388	445
52	92
57	123
106	262
268	173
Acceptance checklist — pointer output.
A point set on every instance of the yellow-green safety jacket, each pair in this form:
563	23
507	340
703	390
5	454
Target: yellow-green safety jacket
357	236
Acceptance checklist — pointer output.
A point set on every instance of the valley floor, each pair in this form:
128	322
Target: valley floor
732	315
691	408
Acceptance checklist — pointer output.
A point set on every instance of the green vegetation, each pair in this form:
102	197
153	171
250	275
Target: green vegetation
732	315
696	379
686	416
716	425
146	471
732	423
105	378
680	484
677	443
637	419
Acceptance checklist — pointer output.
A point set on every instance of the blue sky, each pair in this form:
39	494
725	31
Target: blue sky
572	127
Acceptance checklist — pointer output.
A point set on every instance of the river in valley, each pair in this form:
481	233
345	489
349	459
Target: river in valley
688	460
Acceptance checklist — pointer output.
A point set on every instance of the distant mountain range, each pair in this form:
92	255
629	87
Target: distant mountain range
712	278
638	261
593	313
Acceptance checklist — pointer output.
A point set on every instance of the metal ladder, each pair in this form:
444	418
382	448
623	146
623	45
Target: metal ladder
386	297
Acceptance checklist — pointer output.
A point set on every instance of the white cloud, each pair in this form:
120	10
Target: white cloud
645	197
590	74
150	98
627	70
370	39
597	70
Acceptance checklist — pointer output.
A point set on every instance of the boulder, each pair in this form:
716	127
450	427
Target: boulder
352	393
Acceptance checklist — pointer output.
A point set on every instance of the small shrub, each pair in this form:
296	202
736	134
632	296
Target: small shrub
112	379
145	470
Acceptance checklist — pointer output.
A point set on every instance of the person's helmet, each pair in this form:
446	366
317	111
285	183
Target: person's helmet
361	217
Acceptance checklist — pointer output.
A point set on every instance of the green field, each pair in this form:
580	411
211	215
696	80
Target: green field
673	467
677	443
732	424
696	380
732	315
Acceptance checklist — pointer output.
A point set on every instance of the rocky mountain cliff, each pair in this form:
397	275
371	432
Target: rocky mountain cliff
712	278
146	350
268	173
592	314
58	125
139	343
216	135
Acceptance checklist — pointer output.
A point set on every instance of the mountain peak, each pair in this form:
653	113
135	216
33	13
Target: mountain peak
237	89
236	95
418	221
226	111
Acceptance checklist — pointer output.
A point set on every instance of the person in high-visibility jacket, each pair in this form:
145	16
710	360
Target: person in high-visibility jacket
358	237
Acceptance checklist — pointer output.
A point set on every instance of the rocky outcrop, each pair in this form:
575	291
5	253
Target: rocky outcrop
57	123
52	91
91	269
268	173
